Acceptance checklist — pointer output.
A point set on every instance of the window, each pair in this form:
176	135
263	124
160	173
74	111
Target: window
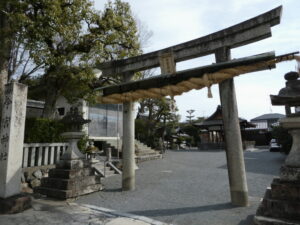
61	111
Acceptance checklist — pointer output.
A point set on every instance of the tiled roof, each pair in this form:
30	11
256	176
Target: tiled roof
269	116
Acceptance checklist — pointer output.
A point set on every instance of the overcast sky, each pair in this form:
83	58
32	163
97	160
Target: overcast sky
176	21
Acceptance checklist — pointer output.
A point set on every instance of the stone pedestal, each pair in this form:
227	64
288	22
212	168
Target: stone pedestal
281	203
11	148
73	175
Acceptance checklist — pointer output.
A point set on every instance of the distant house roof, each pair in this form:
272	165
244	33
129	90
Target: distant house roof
269	116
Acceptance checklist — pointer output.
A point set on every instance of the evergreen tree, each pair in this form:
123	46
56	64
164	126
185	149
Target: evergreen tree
155	120
67	38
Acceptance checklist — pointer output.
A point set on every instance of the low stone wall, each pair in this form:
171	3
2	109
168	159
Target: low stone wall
31	176
38	159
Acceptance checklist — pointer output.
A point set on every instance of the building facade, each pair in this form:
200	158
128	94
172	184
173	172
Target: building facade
106	119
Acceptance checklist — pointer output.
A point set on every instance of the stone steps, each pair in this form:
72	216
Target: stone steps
109	173
65	194
146	152
104	171
285	191
70	178
70	174
148	157
142	151
280	209
280	204
75	183
143	146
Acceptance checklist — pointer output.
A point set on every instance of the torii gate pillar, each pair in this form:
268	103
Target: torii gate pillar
234	149
128	151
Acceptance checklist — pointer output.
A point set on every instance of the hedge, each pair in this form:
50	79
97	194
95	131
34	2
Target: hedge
43	130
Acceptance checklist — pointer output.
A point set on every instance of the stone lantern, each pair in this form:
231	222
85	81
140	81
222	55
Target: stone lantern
74	122
280	204
73	175
289	96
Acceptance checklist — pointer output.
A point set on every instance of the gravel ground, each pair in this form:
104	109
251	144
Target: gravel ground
190	187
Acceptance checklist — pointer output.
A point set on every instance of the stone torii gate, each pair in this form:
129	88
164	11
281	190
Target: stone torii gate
219	43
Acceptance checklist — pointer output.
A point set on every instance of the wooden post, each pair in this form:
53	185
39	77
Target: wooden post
234	149
128	155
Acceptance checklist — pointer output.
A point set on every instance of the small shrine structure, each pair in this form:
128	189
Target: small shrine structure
212	130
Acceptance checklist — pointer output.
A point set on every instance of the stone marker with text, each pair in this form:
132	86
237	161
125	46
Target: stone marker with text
12	138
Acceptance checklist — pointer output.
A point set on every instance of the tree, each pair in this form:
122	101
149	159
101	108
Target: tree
155	119
68	37
190	115
6	35
192	131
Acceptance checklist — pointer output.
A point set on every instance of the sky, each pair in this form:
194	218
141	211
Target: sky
176	21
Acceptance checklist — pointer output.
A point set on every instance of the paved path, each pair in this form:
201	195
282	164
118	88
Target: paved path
52	212
190	187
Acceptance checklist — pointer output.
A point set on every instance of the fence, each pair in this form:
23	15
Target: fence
42	154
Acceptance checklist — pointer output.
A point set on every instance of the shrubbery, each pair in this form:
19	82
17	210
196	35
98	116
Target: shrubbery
193	133
43	130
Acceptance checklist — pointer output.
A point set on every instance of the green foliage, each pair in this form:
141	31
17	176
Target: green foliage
159	121
35	90
41	130
67	38
192	131
180	140
144	132
82	144
283	138
58	31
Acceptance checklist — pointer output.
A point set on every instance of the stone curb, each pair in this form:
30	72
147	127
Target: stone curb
114	213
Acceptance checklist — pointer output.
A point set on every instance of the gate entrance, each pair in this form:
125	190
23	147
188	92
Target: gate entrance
172	83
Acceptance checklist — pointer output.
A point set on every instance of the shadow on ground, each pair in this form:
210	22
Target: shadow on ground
196	150
112	190
186	210
247	221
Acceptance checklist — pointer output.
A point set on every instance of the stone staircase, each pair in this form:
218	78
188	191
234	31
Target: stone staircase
106	169
142	151
280	205
114	145
145	153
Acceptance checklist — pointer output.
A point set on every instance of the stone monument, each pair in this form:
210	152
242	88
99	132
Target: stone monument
11	149
281	203
73	175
